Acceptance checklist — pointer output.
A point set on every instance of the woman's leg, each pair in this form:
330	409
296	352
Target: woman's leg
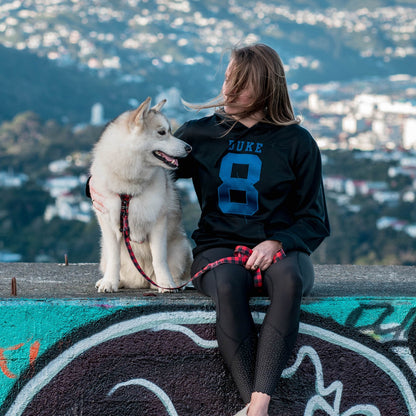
230	285
285	282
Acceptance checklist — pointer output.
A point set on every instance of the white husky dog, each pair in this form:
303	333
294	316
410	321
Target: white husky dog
133	156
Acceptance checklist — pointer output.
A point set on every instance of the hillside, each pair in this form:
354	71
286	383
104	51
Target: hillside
64	56
66	94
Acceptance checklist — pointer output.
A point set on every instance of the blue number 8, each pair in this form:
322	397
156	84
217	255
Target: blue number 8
246	185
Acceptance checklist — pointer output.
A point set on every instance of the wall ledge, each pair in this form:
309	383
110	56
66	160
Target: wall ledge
46	280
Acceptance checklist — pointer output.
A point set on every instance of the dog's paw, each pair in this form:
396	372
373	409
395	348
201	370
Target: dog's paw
105	286
165	283
165	290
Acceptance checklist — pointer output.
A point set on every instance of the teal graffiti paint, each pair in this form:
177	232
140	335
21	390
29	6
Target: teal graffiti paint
30	326
387	312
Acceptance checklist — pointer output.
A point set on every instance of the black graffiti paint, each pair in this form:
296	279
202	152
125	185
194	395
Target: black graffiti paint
412	340
385	310
196	382
194	378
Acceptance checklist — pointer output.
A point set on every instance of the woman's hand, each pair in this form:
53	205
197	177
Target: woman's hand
262	255
96	198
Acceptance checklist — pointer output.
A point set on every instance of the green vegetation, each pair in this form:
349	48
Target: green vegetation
28	145
355	239
23	229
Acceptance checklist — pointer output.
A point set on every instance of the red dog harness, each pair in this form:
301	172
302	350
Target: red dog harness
241	253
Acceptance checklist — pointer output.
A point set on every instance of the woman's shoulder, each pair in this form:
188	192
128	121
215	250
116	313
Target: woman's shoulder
200	128
291	135
200	122
298	131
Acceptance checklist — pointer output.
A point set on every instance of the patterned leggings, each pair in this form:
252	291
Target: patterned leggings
256	361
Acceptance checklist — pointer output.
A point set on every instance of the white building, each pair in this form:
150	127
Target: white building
314	103
410	230
69	207
379	127
12	180
386	197
352	124
97	114
397	107
356	187
409	133
59	166
366	104
334	183
61	185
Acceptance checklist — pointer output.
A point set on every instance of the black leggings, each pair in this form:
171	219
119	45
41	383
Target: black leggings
256	361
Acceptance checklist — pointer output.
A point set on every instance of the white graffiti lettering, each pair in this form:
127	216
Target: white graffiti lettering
164	398
318	402
203	343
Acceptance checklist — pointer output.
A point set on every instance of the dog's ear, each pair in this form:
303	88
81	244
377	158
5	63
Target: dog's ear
140	112
159	106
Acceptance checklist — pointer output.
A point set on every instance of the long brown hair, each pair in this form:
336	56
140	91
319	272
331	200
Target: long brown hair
260	67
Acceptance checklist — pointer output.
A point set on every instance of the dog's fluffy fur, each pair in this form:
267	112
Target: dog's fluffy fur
133	156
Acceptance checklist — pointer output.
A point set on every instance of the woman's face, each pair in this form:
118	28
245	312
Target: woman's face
240	102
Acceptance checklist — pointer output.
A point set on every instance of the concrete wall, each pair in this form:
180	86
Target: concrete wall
143	353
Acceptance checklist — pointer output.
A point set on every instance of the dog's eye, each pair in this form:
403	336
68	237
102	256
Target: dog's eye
162	132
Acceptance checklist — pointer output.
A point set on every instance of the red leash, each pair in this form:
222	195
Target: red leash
241	253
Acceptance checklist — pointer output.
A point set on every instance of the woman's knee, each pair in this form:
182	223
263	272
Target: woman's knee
232	281
285	280
292	282
294	274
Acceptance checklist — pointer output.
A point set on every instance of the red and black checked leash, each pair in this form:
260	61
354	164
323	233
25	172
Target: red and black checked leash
241	253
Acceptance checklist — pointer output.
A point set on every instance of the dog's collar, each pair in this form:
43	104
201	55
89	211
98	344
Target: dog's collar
125	197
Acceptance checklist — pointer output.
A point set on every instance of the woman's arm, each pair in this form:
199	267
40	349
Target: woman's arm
311	223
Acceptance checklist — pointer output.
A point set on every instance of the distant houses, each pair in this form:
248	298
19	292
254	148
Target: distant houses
7	256
342	190
68	205
10	179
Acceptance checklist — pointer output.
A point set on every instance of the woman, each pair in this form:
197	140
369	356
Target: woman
258	178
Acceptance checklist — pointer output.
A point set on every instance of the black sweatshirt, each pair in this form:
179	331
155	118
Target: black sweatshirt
255	184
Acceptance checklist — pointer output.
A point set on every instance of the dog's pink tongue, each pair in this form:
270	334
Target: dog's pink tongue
171	159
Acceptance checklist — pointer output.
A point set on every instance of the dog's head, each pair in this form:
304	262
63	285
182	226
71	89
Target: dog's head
153	137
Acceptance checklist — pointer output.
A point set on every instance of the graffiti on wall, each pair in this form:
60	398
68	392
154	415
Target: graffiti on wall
353	357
